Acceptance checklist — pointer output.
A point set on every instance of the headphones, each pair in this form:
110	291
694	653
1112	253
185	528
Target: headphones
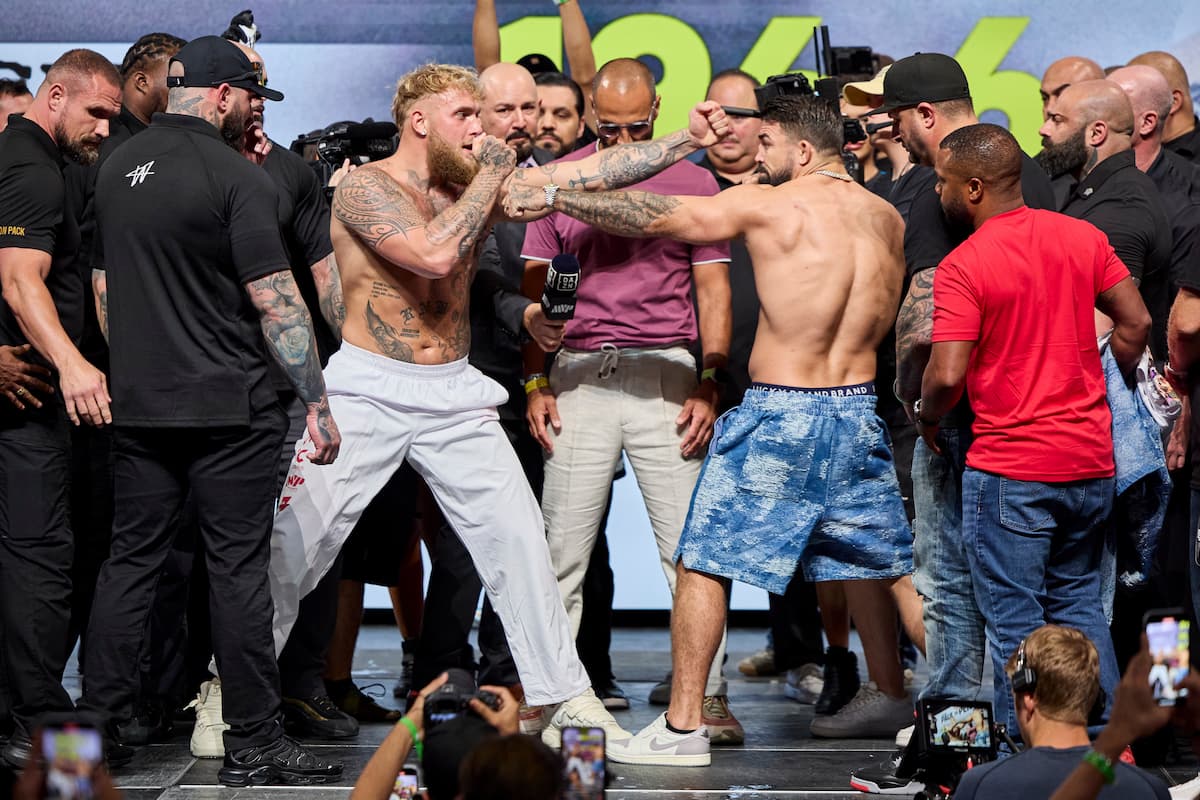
1024	681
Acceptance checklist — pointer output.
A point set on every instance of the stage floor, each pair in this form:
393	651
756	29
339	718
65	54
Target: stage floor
779	760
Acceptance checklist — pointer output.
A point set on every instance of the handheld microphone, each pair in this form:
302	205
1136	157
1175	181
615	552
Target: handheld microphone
562	281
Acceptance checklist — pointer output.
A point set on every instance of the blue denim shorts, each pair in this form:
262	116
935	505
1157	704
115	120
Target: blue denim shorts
798	477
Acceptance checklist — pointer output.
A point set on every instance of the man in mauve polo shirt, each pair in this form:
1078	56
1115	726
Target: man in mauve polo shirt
624	380
1014	324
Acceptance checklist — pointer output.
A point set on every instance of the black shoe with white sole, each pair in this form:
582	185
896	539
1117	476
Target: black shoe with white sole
282	762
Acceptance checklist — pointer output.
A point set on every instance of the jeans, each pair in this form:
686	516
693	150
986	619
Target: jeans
1035	553
954	626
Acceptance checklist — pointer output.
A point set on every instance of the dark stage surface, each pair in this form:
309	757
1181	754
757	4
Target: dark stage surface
779	760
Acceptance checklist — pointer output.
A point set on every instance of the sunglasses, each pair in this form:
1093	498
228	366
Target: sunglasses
611	130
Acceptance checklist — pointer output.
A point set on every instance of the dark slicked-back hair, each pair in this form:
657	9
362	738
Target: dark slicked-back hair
78	65
13	88
147	50
807	117
558	79
987	152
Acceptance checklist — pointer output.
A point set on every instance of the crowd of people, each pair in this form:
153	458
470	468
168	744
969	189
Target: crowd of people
914	381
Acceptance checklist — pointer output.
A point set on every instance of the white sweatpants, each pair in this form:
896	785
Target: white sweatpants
443	420
612	400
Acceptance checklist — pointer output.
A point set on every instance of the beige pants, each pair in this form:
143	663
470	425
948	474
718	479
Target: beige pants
613	400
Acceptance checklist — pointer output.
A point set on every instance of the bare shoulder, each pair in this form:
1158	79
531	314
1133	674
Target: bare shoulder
373	205
880	216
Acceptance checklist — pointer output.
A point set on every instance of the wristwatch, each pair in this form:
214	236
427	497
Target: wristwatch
551	190
921	421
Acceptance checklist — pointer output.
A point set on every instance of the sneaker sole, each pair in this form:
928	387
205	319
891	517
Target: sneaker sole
270	776
662	760
870	787
616	705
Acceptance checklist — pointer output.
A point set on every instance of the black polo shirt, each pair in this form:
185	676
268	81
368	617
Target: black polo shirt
1178	182
34	215
1187	145
1122	201
303	216
184	222
81	189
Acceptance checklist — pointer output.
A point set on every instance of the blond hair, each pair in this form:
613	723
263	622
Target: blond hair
1068	672
429	80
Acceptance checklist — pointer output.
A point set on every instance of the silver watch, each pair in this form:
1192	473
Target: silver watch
551	190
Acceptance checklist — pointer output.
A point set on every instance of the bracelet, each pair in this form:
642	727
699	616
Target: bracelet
418	746
535	382
1102	765
709	374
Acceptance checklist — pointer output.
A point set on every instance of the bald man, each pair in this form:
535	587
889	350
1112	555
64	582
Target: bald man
625	380
1063	73
1013	304
1088	133
1182	131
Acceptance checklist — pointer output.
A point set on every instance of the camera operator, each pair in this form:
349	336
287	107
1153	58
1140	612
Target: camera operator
1053	715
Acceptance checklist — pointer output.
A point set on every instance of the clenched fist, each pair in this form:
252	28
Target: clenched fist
707	124
494	154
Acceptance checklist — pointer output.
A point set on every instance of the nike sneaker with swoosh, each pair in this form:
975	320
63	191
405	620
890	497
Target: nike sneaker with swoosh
658	745
582	711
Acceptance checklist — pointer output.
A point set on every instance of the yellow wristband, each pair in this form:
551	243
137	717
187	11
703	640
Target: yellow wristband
535	382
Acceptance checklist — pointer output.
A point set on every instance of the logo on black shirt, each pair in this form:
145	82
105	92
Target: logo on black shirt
138	174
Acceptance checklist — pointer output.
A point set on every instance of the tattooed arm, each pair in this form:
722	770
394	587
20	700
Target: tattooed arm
100	290
627	164
914	336
287	326
329	293
376	210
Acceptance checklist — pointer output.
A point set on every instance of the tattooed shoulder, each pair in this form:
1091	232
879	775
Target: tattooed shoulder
373	205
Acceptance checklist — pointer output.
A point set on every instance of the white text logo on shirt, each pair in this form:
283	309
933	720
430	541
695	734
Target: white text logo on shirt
138	174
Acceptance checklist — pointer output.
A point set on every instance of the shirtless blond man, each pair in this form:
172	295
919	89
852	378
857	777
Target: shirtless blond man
406	232
801	472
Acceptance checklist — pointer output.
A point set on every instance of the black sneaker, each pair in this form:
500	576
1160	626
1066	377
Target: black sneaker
841	681
150	723
355	702
407	664
318	718
283	761
17	749
894	776
612	695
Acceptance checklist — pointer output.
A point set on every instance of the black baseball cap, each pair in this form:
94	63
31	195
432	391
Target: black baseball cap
923	78
537	63
211	61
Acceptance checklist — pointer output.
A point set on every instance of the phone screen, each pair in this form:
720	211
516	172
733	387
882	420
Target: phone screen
72	754
1169	639
583	762
406	785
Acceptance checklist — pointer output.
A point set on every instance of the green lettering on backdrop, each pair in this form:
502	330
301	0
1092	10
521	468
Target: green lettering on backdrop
687	67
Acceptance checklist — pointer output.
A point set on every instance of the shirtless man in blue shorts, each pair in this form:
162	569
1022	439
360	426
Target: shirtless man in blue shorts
802	471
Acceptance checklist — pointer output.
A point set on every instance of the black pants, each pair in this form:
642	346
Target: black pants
229	475
35	561
796	625
91	521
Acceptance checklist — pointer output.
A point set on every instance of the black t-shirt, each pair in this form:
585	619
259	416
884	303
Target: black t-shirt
35	214
1178	183
81	190
1123	202
1187	145
1038	771
183	223
303	214
745	307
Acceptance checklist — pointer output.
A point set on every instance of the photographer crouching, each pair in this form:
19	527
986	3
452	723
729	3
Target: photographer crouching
469	746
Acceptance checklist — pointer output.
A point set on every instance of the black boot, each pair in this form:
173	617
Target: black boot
841	681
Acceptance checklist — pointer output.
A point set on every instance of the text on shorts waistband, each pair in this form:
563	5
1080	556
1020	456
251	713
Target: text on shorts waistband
854	390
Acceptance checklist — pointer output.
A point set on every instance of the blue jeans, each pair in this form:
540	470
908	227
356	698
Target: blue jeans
1035	552
954	637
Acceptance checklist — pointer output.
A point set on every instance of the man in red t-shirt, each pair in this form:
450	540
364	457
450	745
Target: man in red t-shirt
1014	324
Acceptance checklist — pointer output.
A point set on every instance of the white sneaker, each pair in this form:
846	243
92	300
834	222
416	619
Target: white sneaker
658	745
904	736
583	711
870	714
804	684
1186	791
207	741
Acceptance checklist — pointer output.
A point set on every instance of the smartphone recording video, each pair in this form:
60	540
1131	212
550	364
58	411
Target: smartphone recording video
1169	635
951	726
407	785
72	752
583	763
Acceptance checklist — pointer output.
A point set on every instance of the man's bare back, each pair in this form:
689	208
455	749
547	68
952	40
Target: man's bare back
828	265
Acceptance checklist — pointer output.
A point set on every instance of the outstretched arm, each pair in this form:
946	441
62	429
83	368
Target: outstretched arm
485	35
577	41
627	164
371	204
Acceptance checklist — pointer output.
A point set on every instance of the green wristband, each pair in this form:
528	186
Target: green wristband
418	747
1102	765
